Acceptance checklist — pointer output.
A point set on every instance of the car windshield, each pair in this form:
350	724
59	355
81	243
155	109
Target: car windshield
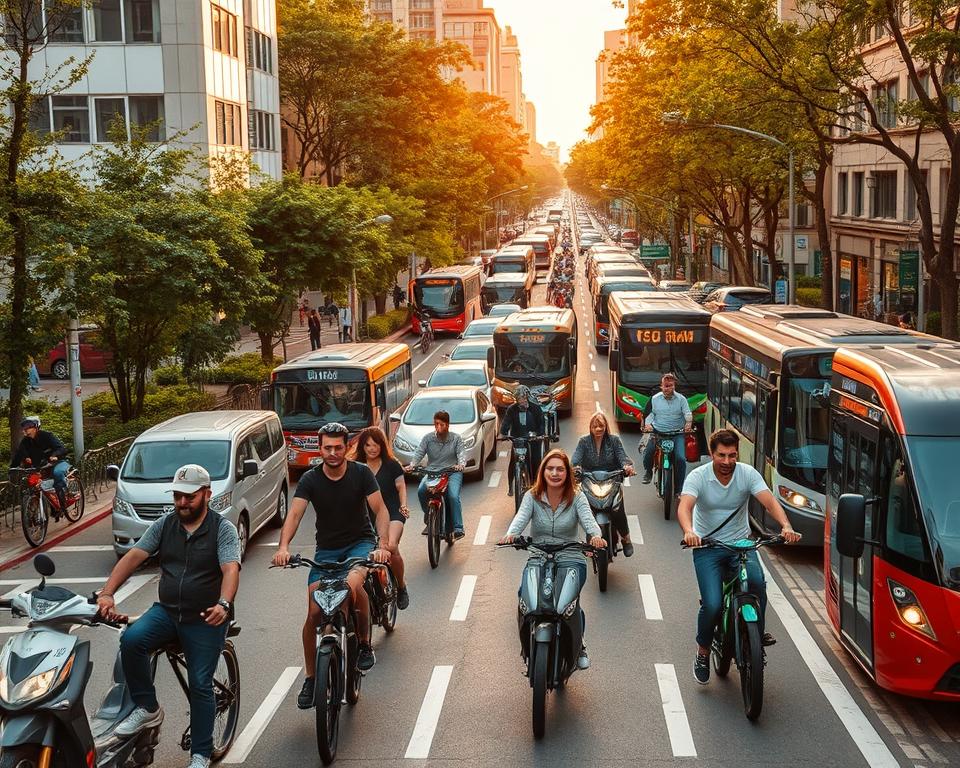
462	352
508	267
932	460
156	462
457	377
532	355
734	299
646	354
307	406
502	310
805	420
498	294
479	329
421	410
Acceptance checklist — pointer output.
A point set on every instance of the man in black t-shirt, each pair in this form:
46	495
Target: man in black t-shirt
339	491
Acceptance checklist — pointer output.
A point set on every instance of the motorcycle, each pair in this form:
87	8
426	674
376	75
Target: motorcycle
439	522
604	492
549	621
44	672
548	404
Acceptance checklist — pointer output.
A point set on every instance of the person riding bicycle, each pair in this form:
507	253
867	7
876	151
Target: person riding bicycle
40	448
713	505
339	491
443	449
554	508
667	411
199	556
523	419
600	450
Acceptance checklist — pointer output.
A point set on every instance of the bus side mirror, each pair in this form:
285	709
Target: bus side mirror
422	383
381	398
851	523
614	358
490	359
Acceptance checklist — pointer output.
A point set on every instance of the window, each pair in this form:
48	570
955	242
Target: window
748	409
951	85
261	441
39	119
71	115
276	435
148	110
227	117
733	413
421	21
910	203
66	25
802	218
422	4
261	130
885	104
842	199
224	31
106	112
885	195
904	533
924	78
107	21
244	453
858	193
879	31
944	184
259	50
141	21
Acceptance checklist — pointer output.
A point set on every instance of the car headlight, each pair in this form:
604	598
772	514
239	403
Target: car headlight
121	507
503	395
221	502
470	442
402	445
291	454
797	499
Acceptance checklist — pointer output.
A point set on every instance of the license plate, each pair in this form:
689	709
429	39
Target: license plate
316	461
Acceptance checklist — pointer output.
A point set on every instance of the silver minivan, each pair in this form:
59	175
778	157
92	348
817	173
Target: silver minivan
243	451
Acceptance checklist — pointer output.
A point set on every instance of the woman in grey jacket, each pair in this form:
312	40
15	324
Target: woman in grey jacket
554	508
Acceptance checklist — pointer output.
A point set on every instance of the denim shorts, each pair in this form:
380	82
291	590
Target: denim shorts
357	549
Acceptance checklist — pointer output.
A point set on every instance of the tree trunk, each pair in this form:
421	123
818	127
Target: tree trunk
380	299
747	266
266	347
823	230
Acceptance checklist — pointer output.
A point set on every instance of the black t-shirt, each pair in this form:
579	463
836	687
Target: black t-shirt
340	505
387	476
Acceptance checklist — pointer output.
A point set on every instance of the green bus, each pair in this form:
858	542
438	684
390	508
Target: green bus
653	333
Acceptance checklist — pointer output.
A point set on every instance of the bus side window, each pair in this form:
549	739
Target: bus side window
748	409
724	392
735	403
768	422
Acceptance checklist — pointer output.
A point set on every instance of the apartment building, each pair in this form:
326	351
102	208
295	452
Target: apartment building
614	41
202	74
530	121
511	77
422	19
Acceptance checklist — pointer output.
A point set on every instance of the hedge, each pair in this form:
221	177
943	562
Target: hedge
809	281
809	297
381	326
247	368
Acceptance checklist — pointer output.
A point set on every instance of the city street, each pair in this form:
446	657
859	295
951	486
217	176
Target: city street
449	687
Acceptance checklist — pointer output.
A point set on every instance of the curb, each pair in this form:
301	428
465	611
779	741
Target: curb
397	335
27	552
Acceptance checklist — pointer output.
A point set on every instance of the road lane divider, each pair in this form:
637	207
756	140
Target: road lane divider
461	606
593	368
636	534
254	729
626	482
426	726
494	479
675	714
503	454
597	403
68	548
596	386
648	594
426	358
483	530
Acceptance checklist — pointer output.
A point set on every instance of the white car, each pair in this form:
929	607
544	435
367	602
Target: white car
464	373
471	350
481	328
472	416
503	310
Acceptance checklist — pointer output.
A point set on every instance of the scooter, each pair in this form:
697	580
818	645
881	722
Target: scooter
44	672
604	492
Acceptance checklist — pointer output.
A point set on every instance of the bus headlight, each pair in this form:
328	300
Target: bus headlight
503	396
909	608
797	499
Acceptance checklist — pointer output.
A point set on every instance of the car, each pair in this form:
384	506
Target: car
731	298
470	350
503	310
700	290
94	358
481	328
460	373
674	286
471	416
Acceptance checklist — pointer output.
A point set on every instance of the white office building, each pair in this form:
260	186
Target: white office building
207	71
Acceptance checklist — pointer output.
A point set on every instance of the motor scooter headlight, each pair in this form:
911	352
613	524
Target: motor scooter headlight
601	490
568	611
34	686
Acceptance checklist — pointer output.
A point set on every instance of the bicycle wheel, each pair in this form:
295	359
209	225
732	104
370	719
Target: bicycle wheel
721	650
667	482
433	536
424	342
75	492
326	704
226	689
541	655
354	675
751	671
388	610
34	519
523	485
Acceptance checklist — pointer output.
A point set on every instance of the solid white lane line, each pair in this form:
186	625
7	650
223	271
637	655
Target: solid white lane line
648	594
494	479
429	717
590	355
626	481
503	454
864	735
82	548
465	594
597	403
254	729
483	530
681	739
596	387
426	358
636	534
133	584
593	368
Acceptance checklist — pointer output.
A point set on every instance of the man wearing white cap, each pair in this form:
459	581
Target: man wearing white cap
199	557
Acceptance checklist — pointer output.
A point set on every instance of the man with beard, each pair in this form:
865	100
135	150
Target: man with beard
199	557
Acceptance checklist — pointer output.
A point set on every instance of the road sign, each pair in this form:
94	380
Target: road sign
654	251
780	292
909	270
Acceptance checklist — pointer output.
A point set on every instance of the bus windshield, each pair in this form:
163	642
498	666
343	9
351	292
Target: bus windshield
805	420
508	267
522	356
503	294
933	461
648	353
440	296
310	405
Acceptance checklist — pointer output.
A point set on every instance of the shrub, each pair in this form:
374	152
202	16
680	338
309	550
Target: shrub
247	368
809	281
167	375
934	324
381	326
809	297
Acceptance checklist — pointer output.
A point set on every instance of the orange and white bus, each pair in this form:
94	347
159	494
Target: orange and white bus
449	296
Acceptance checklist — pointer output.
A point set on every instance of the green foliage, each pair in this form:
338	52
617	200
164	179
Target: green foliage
809	297
809	281
247	368
168	374
381	326
934	324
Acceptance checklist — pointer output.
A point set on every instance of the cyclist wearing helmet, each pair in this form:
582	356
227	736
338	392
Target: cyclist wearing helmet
523	419
339	491
39	447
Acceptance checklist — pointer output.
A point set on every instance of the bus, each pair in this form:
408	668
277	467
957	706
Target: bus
602	289
508	288
891	541
537	346
449	296
541	247
358	385
769	379
515	259
616	269
555	214
652	334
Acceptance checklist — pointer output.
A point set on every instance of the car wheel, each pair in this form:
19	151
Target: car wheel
482	467
60	370
243	532
280	516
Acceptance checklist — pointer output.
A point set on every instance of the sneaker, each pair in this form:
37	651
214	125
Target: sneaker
403	598
458	534
305	697
628	549
583	660
647	477
701	669
198	761
509	489
366	658
138	720
767	640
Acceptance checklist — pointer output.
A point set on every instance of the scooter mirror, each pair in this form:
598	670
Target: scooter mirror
44	565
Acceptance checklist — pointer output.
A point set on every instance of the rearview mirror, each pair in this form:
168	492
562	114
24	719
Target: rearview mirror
422	383
44	565
490	358
851	523
614	358
113	472
250	469
487	416
395	418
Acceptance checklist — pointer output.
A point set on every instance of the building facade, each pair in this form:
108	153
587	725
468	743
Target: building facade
202	75
511	77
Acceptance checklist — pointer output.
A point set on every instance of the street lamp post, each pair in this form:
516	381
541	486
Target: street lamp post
353	300
483	226
677	118
671	210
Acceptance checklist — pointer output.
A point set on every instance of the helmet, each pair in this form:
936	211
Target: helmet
522	393
30	421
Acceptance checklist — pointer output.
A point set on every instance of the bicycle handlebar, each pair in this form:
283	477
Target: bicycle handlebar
763	541
299	561
525	542
423	471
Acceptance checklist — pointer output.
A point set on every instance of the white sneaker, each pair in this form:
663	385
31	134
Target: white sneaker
137	720
199	761
583	661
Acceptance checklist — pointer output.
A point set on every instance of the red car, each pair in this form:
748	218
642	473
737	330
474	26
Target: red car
94	359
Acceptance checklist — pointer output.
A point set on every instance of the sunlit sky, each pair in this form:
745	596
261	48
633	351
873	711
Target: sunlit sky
559	42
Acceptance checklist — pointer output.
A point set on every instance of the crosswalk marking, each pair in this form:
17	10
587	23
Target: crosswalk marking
636	535
483	530
678	727
419	746
461	606
82	548
648	594
494	479
248	738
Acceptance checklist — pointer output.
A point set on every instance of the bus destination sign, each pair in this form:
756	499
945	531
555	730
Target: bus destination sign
532	338
437	281
665	336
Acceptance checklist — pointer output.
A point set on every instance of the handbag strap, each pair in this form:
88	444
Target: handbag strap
729	518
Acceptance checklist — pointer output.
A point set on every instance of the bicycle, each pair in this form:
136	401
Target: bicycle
337	677
426	332
738	635
39	501
664	472
439	524
521	465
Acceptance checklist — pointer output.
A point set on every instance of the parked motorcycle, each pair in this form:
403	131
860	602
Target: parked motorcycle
604	492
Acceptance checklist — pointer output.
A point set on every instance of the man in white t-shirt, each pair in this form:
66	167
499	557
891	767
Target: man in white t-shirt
713	504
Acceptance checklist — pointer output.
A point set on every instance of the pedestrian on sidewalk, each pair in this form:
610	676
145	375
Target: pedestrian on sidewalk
313	323
33	376
397	296
346	324
331	310
304	310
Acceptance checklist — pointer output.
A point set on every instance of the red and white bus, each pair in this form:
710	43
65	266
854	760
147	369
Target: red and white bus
449	296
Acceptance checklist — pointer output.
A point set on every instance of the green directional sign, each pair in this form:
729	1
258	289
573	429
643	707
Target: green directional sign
909	271
654	251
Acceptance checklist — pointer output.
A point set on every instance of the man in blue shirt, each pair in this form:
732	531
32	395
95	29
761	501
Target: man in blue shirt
668	411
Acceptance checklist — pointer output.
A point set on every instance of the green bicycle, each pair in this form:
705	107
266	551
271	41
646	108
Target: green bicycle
738	635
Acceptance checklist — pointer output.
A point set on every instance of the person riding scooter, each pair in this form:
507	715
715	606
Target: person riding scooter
522	419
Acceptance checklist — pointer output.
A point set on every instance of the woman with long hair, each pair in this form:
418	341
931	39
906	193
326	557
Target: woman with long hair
554	508
373	450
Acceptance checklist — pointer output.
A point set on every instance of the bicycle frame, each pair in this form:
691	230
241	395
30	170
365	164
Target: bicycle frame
739	601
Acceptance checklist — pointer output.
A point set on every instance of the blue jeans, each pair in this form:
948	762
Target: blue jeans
679	459
59	473
357	549
712	567
201	645
452	497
